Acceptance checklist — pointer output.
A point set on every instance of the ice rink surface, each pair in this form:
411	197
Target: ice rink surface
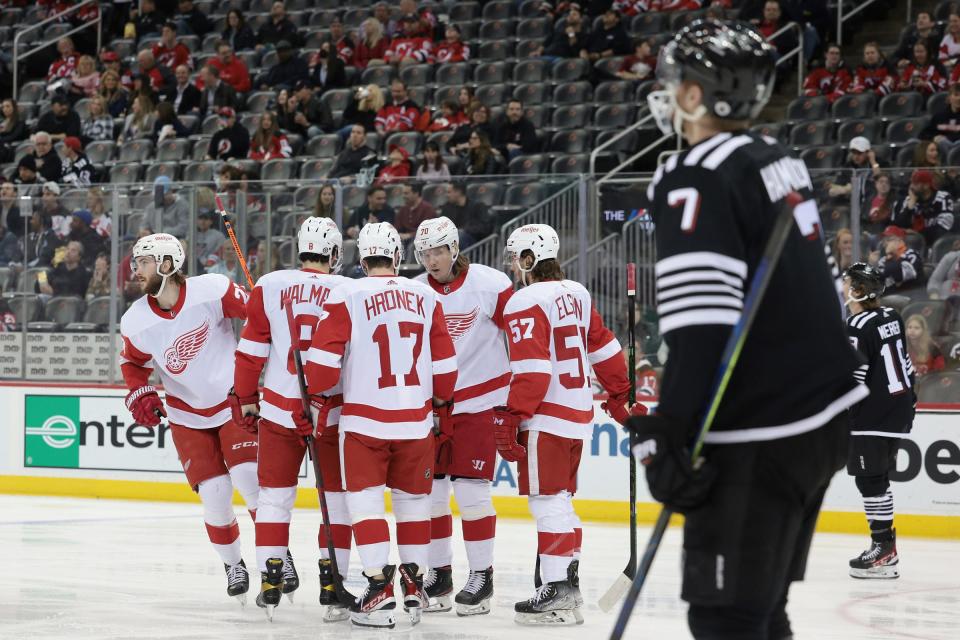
98	569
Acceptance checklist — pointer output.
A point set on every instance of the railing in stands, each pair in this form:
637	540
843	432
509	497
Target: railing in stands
797	51
843	17
600	270
487	251
18	57
566	211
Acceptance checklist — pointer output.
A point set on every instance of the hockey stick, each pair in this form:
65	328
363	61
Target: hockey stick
233	239
342	594
728	361
625	579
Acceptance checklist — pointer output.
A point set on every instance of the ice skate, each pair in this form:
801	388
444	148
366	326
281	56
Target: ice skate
376	605
336	611
554	603
879	561
474	598
291	581
238	581
573	577
414	596
271	584
438	583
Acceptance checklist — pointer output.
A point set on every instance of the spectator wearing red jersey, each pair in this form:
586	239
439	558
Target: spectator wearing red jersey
65	65
950	44
874	74
924	74
831	79
401	114
924	353
642	64
449	117
425	21
452	48
168	52
398	166
372	45
410	48
630	8
268	143
771	23
158	77
346	49
233	70
675	5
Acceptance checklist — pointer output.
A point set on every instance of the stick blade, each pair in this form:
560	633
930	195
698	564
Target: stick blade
614	594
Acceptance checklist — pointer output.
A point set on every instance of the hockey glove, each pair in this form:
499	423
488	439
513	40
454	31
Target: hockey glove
443	429
506	427
616	408
661	447
246	421
312	425
145	406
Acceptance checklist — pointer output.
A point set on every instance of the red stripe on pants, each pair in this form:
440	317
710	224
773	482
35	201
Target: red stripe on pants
417	532
223	534
272	534
340	534
441	527
555	544
578	539
371	531
477	530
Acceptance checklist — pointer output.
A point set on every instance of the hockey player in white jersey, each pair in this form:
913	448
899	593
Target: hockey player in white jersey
473	298
265	343
555	335
182	330
386	339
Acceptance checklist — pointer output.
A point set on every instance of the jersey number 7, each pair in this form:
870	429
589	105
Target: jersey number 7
407	330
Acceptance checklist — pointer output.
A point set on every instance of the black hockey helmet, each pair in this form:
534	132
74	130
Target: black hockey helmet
729	60
867	279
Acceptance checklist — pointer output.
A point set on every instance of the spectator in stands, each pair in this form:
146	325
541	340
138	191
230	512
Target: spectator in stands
139	124
861	157
414	210
184	97
901	266
609	40
452	48
408	47
61	121
85	79
341	42
101	218
365	103
514	135
8	320
326	204
350	160
397	167
925	209
238	33
473	219
63	66
157	77
568	38
277	29
69	278
26	178
167	124
944	125
99	125
42	241
425	20
459	142
923	74
171	214
82	232
432	167
842	249
329	71
232	140
402	112
78	171
192	21
289	70
207	239
465	98
771	23
312	113
48	163
233	70
168	52
924	352
945	280
52	207
146	20
874	73
950	43
268	142
449	117
879	211
115	95
10	217
926	155
642	64
100	279
372	44
216	94
13	129
232	181
481	158
374	210
831	79
924	30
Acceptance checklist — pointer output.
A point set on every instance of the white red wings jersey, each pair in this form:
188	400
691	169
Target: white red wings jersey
265	340
555	336
190	345
473	307
385	338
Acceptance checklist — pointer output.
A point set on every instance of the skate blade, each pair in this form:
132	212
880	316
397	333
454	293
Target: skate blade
479	609
375	620
886	572
415	614
289	596
438	604
336	614
242	599
558	618
268	609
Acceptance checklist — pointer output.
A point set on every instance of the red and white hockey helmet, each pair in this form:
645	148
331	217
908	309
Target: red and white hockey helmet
540	239
321	236
160	246
380	239
436	232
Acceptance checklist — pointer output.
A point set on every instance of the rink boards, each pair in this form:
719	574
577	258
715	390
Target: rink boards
79	440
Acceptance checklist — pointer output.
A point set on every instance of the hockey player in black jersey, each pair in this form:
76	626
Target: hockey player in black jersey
877	423
780	432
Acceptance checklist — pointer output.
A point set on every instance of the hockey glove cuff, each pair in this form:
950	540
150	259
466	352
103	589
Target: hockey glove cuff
506	428
312	425
145	405
246	421
661	447
616	408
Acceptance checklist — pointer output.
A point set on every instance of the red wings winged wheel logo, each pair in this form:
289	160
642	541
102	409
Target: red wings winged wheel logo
458	324
185	348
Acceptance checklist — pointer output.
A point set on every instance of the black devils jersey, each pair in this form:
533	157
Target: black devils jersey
879	336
